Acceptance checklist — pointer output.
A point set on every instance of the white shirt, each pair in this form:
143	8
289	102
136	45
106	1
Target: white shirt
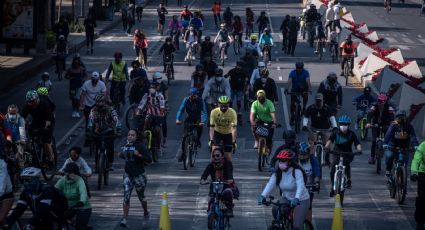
5	183
291	187
330	14
82	165
91	91
336	11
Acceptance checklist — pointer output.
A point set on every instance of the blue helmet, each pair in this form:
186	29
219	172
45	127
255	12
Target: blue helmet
344	119
304	148
193	91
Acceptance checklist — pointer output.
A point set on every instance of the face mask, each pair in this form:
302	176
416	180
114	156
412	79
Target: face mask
331	81
32	186
262	100
343	128
152	91
219	79
12	118
263	80
283	166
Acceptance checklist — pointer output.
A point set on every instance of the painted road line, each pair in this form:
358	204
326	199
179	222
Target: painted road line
391	40
408	40
285	109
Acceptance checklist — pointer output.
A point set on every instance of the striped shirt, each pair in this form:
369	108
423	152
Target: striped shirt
152	104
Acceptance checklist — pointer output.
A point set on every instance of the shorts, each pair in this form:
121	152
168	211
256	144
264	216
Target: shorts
130	182
239	94
224	140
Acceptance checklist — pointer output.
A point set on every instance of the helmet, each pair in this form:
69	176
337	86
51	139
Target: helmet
285	155
382	97
193	91
312	6
219	71
31	172
253	37
401	113
332	75
223	24
43	91
299	65
99	98
45	74
156	76
367	89
223	100
264	72
61	37
304	148
117	54
266	29
289	134
207	38
344	119
199	67
71	168
261	93
31	95
261	64
168	39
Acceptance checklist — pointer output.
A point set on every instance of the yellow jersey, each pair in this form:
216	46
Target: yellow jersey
223	122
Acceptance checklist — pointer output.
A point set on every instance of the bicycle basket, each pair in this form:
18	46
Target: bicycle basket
262	131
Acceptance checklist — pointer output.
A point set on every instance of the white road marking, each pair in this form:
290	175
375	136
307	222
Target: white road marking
421	40
391	40
419	36
285	109
280	78
278	67
408	40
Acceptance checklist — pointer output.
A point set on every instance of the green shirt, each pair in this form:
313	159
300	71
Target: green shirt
74	192
263	110
418	162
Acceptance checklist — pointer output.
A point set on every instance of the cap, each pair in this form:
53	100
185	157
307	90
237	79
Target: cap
95	75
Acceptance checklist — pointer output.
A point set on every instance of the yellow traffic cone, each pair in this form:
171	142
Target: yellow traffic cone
337	223
164	218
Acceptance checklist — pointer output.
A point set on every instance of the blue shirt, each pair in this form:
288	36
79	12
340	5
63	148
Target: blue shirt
299	80
364	102
266	39
196	23
196	110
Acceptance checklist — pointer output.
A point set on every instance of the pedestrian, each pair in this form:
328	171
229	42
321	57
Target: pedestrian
293	28
329	16
418	174
124	12
284	29
61	28
162	11
337	17
130	20
89	25
76	75
216	9
139	9
136	155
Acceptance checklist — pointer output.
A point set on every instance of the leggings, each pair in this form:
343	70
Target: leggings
300	212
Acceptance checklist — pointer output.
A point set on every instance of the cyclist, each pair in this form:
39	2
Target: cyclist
266	40
263	112
238	81
250	63
216	9
61	28
185	17
343	140
139	9
363	102
237	29
220	169
253	46
16	124
224	38
249	22
400	134
289	138
118	67
104	118
74	188
291	179
333	41
223	122
45	82
209	66
329	17
338	13
136	72
206	48
191	40
162	88
284	29
136	156
262	21
332	92
217	86
6	190
381	114
169	50
321	119
299	82
227	17
256	73
320	37
138	89
418	174
293	28
198	79
76	75
89	90
75	157
42	120
175	28
162	11
268	85
347	50
141	44
197	24
311	17
61	51
89	25
196	114
310	165
43	93
302	22
46	202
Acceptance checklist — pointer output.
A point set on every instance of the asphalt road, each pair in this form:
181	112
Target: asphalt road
367	204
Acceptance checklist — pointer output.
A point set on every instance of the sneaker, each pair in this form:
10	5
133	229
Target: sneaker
371	160
316	52
332	193
123	223
256	145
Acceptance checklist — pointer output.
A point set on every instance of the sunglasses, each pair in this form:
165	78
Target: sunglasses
217	155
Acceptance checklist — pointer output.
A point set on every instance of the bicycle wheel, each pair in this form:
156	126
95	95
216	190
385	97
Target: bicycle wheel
363	129
186	154
319	152
193	153
297	121
401	184
346	72
392	187
222	53
235	46
131	121
212	219
48	170
261	150
168	74
101	166
378	156
227	225
266	56
320	47
338	182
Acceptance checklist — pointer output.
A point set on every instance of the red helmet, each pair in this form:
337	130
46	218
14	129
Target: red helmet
382	97
285	155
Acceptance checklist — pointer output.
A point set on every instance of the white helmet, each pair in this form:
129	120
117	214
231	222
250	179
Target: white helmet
261	64
157	76
31	172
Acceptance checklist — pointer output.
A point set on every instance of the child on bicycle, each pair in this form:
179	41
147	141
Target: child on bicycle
45	82
363	103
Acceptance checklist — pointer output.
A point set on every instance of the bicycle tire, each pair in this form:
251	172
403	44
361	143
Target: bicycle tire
297	119
392	187
48	173
338	182
261	148
378	156
319	152
211	219
168	74
101	169
227	225
401	185
346	72
186	154
363	129
222	54
130	117
193	153
106	177
320	50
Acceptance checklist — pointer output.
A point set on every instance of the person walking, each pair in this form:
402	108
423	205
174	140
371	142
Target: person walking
89	25
293	28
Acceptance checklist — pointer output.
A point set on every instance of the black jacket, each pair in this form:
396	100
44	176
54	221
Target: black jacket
270	88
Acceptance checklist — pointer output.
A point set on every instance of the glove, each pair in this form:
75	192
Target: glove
295	202
414	177
261	200
305	128
385	147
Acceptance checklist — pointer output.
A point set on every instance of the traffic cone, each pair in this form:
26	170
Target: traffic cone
164	218
337	223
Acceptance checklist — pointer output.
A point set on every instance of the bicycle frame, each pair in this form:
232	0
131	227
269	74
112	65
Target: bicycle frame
338	185
297	112
220	221
318	146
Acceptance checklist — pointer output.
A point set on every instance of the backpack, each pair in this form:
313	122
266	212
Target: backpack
297	166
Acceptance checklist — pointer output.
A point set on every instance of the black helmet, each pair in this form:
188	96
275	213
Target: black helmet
367	90
219	71
199	67
299	65
207	38
401	113
168	39
289	134
240	63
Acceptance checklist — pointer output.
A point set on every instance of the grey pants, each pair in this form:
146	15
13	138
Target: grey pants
300	212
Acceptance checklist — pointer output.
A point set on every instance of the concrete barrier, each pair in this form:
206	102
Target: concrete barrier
396	56
412	69
386	78
418	121
372	64
408	95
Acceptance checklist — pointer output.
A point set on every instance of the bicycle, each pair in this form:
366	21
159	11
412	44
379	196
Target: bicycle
361	124
190	144
339	176
223	47
153	137
266	54
39	158
298	111
141	59
320	48
175	38
217	220
262	130
319	148
101	155
285	219
117	96
249	29
347	68
397	182
168	59
189	54
302	29
379	150
236	44
333	47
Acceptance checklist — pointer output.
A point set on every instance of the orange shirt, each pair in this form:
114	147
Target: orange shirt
347	49
216	8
